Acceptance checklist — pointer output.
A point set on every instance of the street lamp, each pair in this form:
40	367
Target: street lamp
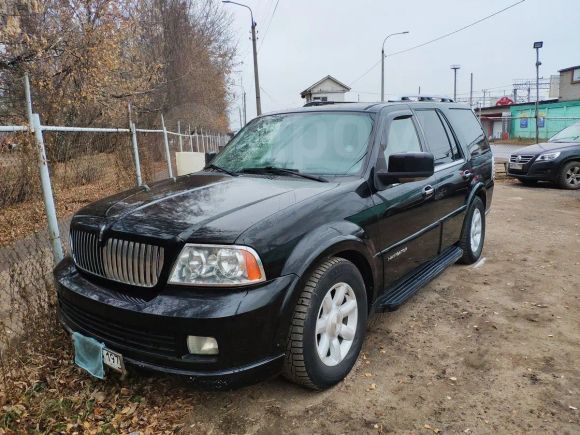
537	46
383	62
256	78
455	68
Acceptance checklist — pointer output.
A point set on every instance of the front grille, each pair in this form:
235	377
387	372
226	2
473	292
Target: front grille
119	260
116	333
523	158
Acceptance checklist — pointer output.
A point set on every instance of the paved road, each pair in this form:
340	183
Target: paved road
502	152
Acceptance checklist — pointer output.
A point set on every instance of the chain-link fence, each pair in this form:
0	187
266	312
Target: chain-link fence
47	173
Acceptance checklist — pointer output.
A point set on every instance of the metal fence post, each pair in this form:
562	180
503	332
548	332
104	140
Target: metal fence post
53	231
166	143
196	140
190	137
28	102
180	138
136	153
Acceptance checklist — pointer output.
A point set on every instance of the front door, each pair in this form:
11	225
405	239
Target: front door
409	234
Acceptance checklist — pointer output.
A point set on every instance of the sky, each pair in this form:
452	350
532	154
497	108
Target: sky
300	42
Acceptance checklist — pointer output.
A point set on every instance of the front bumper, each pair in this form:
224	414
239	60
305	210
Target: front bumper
541	171
151	333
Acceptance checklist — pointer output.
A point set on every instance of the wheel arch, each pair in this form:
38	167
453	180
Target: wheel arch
329	241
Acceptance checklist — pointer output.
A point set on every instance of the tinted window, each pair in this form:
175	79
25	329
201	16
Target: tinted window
437	138
402	138
468	130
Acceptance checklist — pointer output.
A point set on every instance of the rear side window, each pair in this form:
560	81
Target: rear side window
468	129
438	137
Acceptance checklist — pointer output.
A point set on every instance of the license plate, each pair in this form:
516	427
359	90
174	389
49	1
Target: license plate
517	166
113	360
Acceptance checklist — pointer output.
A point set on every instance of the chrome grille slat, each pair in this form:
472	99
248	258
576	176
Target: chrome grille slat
124	261
524	158
147	264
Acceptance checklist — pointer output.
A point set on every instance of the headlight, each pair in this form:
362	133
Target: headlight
547	157
217	265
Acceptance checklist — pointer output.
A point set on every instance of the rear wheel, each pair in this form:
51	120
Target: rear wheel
569	177
473	232
328	325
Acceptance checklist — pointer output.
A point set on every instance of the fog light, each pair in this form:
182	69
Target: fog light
202	345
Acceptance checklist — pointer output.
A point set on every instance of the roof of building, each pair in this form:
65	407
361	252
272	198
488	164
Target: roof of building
569	68
328	77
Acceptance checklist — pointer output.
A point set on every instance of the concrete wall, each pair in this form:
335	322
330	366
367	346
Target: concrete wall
569	90
561	109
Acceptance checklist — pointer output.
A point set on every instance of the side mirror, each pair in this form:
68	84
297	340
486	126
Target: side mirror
407	167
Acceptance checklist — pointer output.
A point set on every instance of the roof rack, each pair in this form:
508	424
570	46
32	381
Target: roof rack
425	98
324	103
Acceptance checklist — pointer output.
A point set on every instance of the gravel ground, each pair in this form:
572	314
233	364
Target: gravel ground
493	347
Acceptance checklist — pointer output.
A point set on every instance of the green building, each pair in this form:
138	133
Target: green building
516	121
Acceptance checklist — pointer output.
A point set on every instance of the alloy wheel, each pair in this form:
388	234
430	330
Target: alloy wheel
476	230
336	324
573	176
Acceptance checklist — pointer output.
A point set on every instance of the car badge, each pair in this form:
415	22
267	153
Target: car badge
102	229
519	159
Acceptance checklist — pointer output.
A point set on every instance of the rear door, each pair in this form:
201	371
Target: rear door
406	212
452	171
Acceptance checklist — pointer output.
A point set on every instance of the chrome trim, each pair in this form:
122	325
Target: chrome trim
118	260
449	165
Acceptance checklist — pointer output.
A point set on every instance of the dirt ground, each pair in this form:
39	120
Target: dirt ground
493	347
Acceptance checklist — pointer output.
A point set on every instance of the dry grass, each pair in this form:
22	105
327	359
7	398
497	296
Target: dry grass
75	183
44	392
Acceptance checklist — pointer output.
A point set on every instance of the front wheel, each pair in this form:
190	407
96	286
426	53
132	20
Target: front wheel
473	232
328	325
569	177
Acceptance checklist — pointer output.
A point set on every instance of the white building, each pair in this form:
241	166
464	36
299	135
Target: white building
326	89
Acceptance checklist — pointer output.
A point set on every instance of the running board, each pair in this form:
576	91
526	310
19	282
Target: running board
405	289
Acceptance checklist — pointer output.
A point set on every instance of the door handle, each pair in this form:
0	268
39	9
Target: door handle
467	174
428	191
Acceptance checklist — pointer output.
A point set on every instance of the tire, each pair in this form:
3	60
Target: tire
304	364
528	182
471	251
569	176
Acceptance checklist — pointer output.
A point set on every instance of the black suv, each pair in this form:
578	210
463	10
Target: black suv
272	259
557	160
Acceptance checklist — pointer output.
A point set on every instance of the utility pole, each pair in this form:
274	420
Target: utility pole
455	68
383	62
484	92
537	46
255	50
471	90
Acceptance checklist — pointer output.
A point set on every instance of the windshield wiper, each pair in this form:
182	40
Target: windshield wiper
283	171
219	168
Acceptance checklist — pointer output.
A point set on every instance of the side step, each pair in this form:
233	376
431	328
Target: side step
403	290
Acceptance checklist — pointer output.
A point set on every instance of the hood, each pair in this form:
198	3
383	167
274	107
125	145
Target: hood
545	147
203	207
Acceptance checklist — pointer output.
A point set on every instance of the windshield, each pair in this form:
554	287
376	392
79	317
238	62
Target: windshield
570	134
317	143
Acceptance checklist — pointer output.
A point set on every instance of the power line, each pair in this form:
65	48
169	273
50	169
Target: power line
440	37
268	28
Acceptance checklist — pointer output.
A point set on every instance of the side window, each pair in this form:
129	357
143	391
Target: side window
469	131
402	138
440	142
